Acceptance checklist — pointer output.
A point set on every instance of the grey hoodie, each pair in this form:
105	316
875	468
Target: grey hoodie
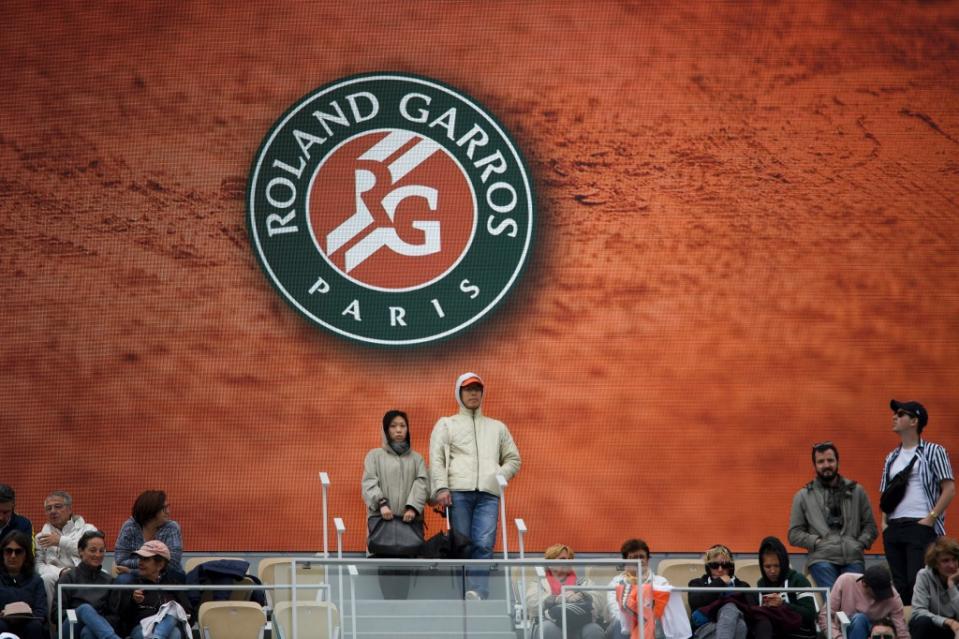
930	598
400	479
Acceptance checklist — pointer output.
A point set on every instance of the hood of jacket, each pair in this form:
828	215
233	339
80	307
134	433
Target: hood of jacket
456	392
773	545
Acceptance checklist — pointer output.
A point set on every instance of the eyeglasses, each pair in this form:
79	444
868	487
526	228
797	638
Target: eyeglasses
820	446
13	551
720	565
904	413
882	635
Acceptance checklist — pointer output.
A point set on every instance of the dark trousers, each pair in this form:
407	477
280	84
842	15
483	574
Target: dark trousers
906	542
925	628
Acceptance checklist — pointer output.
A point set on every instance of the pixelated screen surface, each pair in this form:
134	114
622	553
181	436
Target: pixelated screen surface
744	242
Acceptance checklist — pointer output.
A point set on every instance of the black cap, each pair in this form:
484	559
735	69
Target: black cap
913	408
879	581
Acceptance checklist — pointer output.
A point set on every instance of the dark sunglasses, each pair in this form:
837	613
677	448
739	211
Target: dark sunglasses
13	551
882	635
719	565
903	413
819	446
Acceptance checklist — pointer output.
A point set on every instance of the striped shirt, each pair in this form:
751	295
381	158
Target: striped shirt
933	467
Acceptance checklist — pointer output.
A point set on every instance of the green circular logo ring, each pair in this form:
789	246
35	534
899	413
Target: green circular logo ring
390	209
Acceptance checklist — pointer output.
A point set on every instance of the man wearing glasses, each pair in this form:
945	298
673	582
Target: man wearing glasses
918	518
883	629
57	541
832	519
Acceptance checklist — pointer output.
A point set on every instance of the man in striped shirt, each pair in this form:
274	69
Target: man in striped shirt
920	517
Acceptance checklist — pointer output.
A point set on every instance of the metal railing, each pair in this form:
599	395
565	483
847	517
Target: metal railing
353	567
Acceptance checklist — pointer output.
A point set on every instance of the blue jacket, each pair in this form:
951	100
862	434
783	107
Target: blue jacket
28	589
17	522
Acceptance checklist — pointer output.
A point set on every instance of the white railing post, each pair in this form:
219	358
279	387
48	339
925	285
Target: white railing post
640	599
325	482
293	596
501	480
540	574
524	614
340	530
353	574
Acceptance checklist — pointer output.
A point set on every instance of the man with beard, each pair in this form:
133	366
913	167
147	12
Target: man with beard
832	519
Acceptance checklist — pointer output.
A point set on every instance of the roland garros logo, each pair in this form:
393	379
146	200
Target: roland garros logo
390	209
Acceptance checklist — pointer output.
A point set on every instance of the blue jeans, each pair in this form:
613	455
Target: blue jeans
475	514
859	626
168	628
92	625
825	573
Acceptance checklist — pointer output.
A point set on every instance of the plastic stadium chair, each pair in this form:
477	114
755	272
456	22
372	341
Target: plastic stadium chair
277	571
679	572
314	620
231	620
749	571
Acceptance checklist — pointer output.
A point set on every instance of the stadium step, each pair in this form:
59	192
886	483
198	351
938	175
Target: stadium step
434	618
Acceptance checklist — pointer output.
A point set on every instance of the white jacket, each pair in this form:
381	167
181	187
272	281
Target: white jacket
468	450
64	554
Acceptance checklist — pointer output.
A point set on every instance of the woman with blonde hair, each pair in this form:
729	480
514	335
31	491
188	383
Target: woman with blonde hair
583	608
711	618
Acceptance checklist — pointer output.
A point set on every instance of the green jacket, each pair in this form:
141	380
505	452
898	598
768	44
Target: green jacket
808	528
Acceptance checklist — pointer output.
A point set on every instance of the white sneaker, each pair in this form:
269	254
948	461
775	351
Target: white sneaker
472	595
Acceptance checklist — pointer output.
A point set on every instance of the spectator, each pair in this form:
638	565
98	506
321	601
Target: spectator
9	519
137	605
711	618
631	550
57	549
800	620
883	629
583	608
832	519
865	599
19	582
394	477
150	521
96	619
467	451
935	598
920	516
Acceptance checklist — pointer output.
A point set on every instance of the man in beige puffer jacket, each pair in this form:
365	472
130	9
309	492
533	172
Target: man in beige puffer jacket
467	451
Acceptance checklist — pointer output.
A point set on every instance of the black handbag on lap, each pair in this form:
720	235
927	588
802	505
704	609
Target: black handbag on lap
896	488
394	537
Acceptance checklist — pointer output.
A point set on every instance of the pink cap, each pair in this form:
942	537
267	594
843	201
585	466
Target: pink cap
153	548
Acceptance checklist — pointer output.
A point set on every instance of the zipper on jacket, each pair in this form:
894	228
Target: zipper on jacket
476	444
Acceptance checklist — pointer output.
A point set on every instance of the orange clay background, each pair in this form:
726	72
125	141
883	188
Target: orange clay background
746	243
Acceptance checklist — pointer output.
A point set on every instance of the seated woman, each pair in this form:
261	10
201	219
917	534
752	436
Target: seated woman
150	520
786	615
582	608
935	598
394	478
19	582
96	619
134	606
711	617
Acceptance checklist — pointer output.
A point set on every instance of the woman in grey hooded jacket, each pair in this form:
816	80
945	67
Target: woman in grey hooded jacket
395	484
935	599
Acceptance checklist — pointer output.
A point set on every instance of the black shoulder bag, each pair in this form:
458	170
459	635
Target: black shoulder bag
896	488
